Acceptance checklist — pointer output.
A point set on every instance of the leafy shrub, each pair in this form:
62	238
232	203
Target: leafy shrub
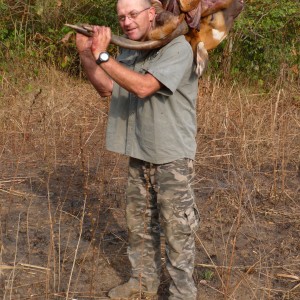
264	41
34	29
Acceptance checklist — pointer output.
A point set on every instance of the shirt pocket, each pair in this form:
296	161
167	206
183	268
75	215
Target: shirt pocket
128	59
149	61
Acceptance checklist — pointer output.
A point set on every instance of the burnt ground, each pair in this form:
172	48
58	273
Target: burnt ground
63	233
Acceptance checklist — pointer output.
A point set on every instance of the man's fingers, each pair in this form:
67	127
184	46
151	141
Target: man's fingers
102	31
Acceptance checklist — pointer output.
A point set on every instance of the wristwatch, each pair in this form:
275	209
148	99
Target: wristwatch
103	57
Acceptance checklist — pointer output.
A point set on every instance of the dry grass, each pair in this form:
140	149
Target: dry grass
248	160
62	233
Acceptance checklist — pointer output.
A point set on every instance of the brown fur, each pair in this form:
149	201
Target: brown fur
215	24
205	35
220	5
220	21
158	5
188	5
215	18
165	23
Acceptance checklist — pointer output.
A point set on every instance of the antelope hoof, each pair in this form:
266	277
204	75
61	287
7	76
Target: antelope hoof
201	59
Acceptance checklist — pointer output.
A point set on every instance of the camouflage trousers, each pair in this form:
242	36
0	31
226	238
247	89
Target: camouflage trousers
161	197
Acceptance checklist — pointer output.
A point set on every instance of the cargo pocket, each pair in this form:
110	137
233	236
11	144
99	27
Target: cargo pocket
193	217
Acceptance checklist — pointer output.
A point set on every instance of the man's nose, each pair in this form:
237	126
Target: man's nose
127	20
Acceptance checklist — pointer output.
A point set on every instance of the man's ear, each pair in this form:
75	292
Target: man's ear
151	13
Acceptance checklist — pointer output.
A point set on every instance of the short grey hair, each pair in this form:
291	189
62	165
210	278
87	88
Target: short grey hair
146	2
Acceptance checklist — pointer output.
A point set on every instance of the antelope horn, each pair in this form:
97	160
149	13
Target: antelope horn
87	30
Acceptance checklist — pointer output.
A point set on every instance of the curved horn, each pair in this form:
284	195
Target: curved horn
87	30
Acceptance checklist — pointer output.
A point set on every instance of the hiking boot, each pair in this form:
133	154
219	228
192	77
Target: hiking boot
130	290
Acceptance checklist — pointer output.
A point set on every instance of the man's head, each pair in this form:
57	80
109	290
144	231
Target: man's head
135	18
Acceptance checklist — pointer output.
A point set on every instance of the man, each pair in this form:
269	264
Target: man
152	119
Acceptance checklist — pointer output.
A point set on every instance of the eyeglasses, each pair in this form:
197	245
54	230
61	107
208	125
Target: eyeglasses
132	15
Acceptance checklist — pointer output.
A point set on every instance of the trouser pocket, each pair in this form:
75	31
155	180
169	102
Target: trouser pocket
193	217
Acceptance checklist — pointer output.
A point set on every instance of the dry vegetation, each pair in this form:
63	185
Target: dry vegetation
63	233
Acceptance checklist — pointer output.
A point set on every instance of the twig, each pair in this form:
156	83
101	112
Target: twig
85	191
295	287
287	276
14	192
15	259
21	265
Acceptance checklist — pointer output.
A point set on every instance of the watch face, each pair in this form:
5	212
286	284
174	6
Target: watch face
104	56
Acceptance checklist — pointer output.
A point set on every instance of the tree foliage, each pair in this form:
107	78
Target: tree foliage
263	42
34	28
266	39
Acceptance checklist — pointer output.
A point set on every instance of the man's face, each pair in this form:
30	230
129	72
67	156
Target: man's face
135	17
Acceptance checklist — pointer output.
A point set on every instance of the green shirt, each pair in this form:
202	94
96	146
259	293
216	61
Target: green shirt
162	127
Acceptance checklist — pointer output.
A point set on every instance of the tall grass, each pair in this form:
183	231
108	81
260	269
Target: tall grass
248	145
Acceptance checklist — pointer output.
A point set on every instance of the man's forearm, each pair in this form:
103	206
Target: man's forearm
142	85
98	77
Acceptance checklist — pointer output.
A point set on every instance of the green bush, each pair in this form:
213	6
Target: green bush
34	29
264	41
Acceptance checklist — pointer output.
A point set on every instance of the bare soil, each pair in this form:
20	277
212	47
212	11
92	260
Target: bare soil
63	233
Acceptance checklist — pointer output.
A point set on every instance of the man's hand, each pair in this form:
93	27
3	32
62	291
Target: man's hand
100	40
83	43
